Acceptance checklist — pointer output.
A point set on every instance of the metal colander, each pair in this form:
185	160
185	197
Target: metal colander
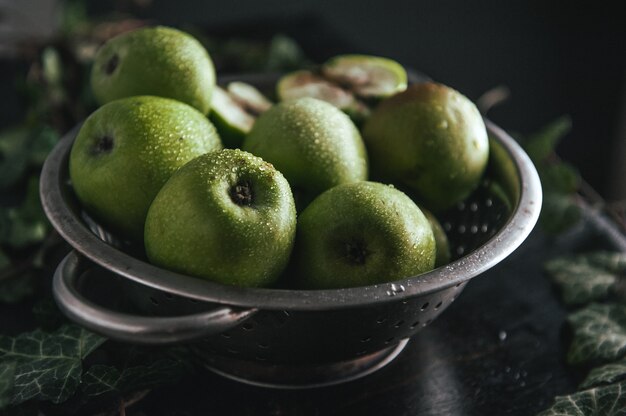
280	337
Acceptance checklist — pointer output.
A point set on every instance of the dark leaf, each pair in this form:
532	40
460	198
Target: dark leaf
16	287
559	212
100	379
25	224
7	374
586	278
5	261
560	177
48	365
601	401
599	333
14	156
541	144
284	54
607	374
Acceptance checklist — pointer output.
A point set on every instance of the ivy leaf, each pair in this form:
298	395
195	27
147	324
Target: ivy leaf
586	278
100	379
600	401
14	157
48	365
606	374
7	372
541	145
599	333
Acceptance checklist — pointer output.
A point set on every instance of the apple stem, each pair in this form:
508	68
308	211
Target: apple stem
111	64
241	193
103	144
356	252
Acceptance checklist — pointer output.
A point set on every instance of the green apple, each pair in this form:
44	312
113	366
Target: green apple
431	139
361	234
314	144
157	61
441	239
227	216
127	149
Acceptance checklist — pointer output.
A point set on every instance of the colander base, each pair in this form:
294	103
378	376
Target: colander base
302	376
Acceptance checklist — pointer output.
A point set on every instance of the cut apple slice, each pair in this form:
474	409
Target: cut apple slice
303	83
366	76
234	111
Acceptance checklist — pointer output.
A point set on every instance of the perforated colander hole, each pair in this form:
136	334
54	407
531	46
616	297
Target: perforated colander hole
260	358
428	322
398	324
263	345
194	301
474	229
381	320
460	250
415	324
473	207
366	339
437	306
458	284
362	352
488	202
248	326
484	228
461	229
225	335
389	340
154	301
447	226
169	296
232	351
424	306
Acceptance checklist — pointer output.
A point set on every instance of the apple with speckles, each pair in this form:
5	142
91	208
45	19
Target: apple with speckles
127	149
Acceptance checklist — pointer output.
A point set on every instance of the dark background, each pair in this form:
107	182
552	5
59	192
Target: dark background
555	57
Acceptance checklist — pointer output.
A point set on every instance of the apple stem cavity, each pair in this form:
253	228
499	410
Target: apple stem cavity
356	252
241	193
111	64
102	145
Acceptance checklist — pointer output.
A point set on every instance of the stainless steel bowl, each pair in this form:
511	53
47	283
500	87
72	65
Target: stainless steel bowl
280	337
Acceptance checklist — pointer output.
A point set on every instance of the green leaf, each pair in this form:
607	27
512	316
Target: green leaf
7	374
5	261
559	212
284	54
48	365
601	401
541	144
560	177
25	224
599	333
17	287
100	379
606	374
586	278
14	157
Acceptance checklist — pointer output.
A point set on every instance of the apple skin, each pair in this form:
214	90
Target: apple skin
196	227
314	144
431	139
157	61
361	234
125	152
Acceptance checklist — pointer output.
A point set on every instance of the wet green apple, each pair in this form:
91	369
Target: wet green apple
431	139
314	144
227	216
157	61
127	149
441	239
361	234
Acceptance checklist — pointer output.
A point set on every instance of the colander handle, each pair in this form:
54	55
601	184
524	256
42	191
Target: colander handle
135	328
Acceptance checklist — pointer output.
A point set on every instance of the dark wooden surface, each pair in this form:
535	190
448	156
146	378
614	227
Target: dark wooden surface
498	350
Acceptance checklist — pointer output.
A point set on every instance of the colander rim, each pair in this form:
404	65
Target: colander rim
70	226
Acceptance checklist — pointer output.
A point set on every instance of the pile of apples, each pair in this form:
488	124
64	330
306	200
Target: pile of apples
293	188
